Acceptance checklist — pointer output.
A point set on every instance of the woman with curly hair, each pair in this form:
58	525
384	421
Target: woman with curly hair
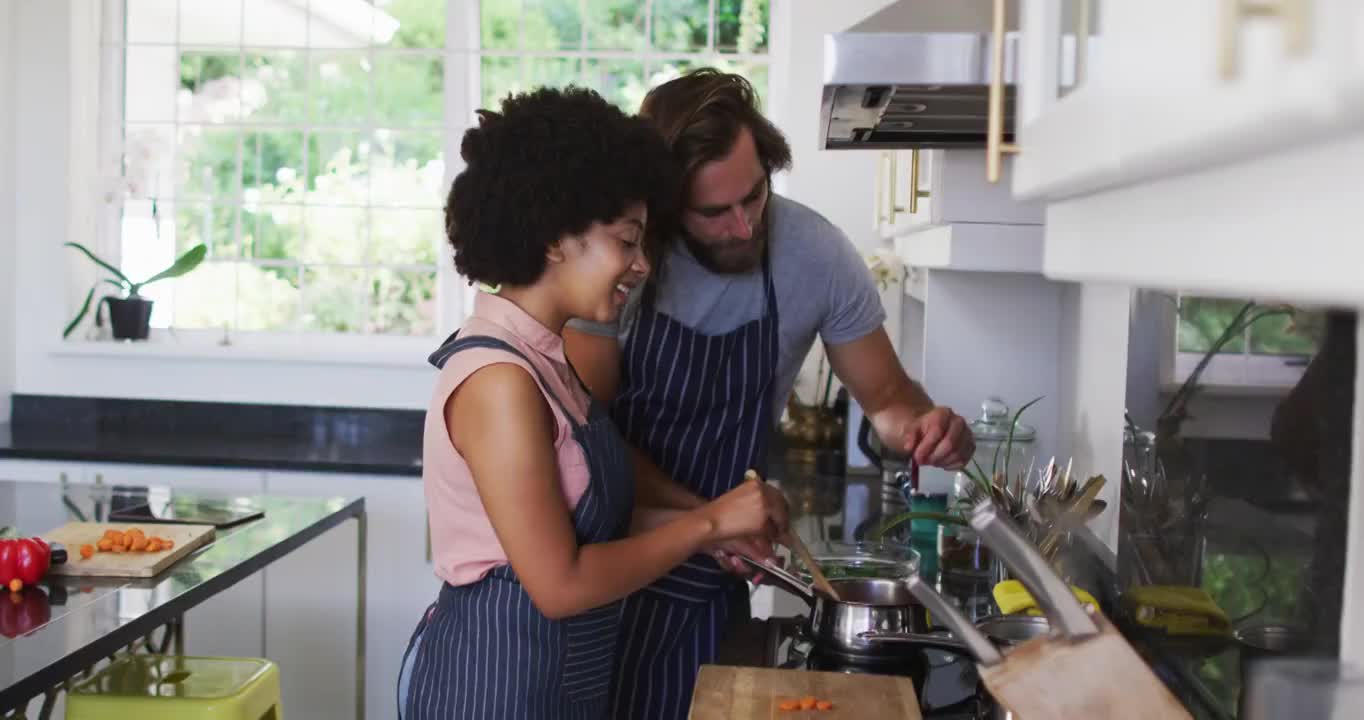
528	484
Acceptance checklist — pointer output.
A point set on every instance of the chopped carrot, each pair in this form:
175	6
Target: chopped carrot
118	549
139	543
788	705
16	585
136	532
111	533
87	551
105	545
824	705
153	545
807	703
167	543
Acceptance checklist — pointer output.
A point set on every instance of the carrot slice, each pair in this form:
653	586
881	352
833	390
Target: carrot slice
807	702
87	551
788	705
824	705
16	585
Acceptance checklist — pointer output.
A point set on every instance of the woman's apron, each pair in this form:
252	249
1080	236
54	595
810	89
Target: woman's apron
483	651
700	406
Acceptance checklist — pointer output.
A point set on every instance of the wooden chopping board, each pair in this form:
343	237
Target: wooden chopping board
746	693
187	538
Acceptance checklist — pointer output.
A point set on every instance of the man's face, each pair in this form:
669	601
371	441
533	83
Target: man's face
726	205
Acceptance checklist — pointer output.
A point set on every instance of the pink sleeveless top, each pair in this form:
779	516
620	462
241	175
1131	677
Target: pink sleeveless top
463	543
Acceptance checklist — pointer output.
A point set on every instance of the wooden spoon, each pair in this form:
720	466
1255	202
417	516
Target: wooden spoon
795	543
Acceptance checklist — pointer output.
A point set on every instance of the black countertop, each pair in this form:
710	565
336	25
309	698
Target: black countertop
373	441
92	618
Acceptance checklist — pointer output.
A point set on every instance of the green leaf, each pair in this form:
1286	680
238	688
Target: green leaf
113	270
904	517
80	315
1009	445
117	284
182	265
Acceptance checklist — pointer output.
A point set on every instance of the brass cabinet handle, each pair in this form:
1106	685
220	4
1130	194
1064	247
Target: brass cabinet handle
995	147
880	188
914	192
1292	13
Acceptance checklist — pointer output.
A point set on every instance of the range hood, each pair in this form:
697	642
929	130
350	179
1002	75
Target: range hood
915	75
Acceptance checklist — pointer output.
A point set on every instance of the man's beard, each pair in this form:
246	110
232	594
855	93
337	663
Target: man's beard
733	256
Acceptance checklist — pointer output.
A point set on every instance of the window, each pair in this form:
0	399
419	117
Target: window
1269	345
305	142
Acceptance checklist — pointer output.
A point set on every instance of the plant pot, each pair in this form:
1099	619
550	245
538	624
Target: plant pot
130	317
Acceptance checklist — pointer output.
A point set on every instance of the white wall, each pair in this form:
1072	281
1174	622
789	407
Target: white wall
7	237
1093	387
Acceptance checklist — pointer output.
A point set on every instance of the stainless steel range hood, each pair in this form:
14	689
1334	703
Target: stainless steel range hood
915	75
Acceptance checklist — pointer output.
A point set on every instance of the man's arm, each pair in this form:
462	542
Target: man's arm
901	411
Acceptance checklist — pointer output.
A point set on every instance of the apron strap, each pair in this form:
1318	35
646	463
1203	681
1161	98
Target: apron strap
455	344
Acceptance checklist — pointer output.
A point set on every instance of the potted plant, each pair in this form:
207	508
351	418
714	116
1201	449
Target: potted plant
130	314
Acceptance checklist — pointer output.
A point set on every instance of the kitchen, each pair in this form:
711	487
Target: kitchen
1191	154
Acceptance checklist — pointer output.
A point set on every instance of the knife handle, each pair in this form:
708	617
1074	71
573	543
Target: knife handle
1052	593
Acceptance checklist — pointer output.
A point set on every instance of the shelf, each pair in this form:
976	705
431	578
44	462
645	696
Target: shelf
973	247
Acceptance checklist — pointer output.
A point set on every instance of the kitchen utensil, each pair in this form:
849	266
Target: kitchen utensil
747	693
947	615
836	626
1013	630
1100	674
794	542
861	559
1176	610
1012	598
187	538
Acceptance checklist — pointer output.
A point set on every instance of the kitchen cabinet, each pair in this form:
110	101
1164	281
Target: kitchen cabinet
311	595
922	188
41	471
1167	87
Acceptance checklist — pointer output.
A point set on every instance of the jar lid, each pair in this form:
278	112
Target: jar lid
993	424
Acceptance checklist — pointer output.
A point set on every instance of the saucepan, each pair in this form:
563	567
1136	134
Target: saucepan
866	605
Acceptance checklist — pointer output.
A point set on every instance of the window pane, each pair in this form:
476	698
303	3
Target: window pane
272	232
274	87
499	77
615	25
408	89
208	161
741	26
268	297
1297	333
1203	320
333	299
150	84
681	25
421	23
147	161
406	236
548	24
334	235
272	165
619	81
338	168
210	22
407	168
340	87
402	303
212	224
206	298
552	72
210	87
500	24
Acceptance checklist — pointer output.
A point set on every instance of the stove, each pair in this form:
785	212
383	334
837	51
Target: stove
946	683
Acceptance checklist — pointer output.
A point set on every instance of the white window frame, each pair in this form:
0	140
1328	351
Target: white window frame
462	96
1241	374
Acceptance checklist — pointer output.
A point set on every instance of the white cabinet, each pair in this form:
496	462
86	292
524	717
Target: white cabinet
1172	87
311	600
41	471
949	187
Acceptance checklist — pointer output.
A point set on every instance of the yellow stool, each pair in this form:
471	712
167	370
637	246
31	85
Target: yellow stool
163	687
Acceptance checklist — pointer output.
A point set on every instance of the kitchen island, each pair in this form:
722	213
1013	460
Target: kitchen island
77	622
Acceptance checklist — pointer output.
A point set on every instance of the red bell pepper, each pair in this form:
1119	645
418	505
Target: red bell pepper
26	559
24	611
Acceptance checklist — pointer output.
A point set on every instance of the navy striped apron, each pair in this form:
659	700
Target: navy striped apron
484	651
700	406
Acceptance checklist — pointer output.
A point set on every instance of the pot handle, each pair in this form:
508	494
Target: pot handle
937	642
951	618
783	578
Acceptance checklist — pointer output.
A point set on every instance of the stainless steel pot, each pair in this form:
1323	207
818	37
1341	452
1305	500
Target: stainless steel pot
866	605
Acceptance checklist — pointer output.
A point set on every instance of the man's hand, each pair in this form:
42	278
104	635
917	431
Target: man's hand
727	554
940	438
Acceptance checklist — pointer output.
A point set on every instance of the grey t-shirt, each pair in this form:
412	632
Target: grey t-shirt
822	285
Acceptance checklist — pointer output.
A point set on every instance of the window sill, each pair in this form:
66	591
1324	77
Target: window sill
406	353
1231	390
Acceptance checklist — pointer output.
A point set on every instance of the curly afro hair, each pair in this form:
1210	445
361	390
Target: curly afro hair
551	163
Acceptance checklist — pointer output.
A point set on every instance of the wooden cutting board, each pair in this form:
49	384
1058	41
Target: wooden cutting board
187	538
746	693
